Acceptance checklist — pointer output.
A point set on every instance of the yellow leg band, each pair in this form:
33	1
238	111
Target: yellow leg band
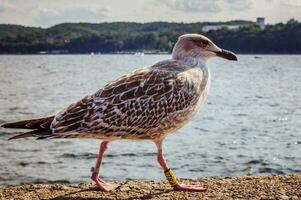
172	179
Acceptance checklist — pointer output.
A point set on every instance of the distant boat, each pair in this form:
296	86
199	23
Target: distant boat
139	53
257	57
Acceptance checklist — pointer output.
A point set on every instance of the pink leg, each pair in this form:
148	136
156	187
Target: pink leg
102	185
165	167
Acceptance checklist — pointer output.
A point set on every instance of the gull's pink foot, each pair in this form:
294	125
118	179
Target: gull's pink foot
183	187
106	187
102	185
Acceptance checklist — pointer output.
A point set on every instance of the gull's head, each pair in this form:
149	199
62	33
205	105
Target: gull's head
199	47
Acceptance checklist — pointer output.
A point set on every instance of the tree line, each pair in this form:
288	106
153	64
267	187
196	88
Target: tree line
281	38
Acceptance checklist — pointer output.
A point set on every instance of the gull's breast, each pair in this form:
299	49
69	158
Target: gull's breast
193	93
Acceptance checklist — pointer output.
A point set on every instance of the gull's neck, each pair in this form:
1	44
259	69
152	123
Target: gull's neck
191	61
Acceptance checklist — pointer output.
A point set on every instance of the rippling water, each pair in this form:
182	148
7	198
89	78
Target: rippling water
249	125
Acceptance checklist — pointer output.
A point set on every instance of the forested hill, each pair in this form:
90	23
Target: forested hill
156	37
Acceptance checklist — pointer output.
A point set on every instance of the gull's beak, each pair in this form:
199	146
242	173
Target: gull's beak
226	54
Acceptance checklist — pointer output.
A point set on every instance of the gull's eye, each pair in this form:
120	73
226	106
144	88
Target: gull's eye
200	42
205	42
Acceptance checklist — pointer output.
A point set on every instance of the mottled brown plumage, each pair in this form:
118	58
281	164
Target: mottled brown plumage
146	104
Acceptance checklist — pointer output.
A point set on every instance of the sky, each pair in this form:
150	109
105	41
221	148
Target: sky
45	13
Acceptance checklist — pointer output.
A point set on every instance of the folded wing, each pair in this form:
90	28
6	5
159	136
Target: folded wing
130	107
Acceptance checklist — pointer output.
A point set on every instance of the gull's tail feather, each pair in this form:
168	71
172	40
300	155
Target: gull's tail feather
39	134
40	124
41	128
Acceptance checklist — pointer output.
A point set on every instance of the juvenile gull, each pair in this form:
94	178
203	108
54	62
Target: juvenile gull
147	104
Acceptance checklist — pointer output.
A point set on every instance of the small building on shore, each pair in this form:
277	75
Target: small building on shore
260	22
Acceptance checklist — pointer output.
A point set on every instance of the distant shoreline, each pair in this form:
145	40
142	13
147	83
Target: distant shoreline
247	187
239	36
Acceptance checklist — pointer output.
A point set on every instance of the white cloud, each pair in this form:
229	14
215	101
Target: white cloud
207	6
293	3
53	17
192	5
239	5
5	6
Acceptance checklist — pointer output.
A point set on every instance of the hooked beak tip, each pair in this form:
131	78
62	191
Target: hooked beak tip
226	54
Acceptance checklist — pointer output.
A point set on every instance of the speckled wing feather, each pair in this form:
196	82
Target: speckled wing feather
136	106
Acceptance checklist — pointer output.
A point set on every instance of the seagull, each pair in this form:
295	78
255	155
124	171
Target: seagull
147	104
